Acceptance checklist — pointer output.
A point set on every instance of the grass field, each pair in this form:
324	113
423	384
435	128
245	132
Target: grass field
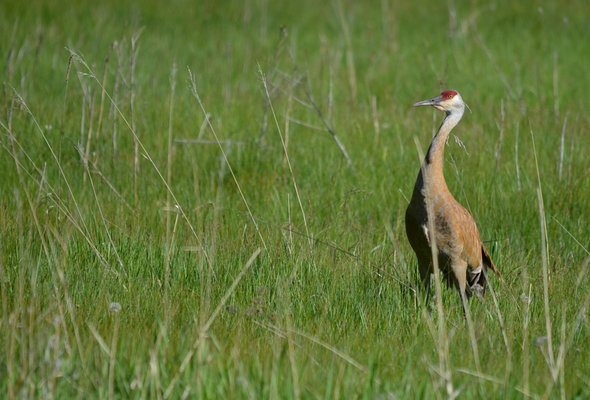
206	200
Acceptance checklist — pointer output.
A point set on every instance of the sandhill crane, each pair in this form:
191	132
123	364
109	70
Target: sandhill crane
461	256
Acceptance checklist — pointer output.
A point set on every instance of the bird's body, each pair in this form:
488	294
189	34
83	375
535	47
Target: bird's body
435	218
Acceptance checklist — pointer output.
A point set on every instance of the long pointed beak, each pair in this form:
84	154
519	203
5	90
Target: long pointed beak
429	102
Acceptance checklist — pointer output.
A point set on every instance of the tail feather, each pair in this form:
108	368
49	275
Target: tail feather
487	261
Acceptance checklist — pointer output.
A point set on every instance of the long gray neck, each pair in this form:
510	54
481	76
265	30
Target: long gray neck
434	161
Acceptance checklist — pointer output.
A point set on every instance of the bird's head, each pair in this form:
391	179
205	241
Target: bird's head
449	101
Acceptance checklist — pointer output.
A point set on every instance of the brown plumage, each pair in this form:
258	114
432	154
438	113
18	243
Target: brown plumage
462	258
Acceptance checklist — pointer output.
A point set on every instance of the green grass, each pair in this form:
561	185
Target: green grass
330	308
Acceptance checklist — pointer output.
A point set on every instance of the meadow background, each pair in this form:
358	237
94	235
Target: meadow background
206	199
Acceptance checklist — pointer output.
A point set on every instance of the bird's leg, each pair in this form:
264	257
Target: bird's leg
425	269
459	269
464	302
426	283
